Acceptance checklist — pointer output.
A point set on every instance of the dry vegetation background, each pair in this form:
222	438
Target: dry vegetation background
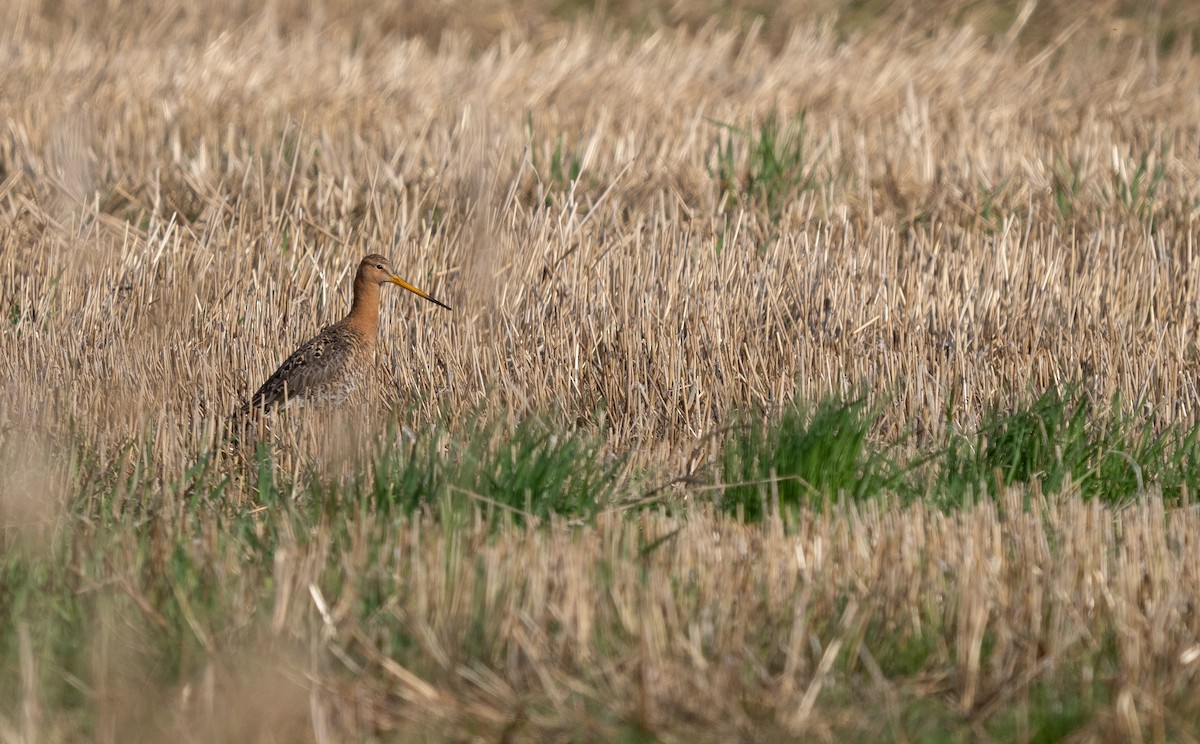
968	203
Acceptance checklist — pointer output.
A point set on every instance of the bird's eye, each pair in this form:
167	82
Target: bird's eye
379	266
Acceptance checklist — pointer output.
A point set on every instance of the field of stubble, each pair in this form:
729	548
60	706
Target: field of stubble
815	373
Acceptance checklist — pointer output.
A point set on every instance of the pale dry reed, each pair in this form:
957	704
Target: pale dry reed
175	218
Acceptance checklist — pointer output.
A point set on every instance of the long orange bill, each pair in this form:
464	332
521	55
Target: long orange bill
400	282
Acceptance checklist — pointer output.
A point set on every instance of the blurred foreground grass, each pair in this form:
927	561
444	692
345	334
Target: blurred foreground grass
521	584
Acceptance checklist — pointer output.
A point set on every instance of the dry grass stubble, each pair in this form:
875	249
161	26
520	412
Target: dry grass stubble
232	205
177	212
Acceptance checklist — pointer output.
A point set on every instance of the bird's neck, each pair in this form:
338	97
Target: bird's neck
364	309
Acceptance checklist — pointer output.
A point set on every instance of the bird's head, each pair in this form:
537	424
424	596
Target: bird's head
377	269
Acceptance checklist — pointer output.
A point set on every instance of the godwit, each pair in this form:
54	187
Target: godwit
329	366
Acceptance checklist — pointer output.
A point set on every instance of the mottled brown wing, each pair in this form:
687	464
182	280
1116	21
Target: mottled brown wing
318	366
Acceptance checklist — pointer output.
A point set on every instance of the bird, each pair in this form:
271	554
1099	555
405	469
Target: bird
328	367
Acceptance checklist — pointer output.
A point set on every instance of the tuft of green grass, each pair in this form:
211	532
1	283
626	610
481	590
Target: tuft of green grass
1061	439
531	472
565	166
806	458
1067	185
991	213
539	471
1137	191
777	165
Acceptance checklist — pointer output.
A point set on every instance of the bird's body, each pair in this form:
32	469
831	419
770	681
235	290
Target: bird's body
327	368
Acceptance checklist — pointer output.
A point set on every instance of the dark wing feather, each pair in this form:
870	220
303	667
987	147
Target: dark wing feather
319	364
